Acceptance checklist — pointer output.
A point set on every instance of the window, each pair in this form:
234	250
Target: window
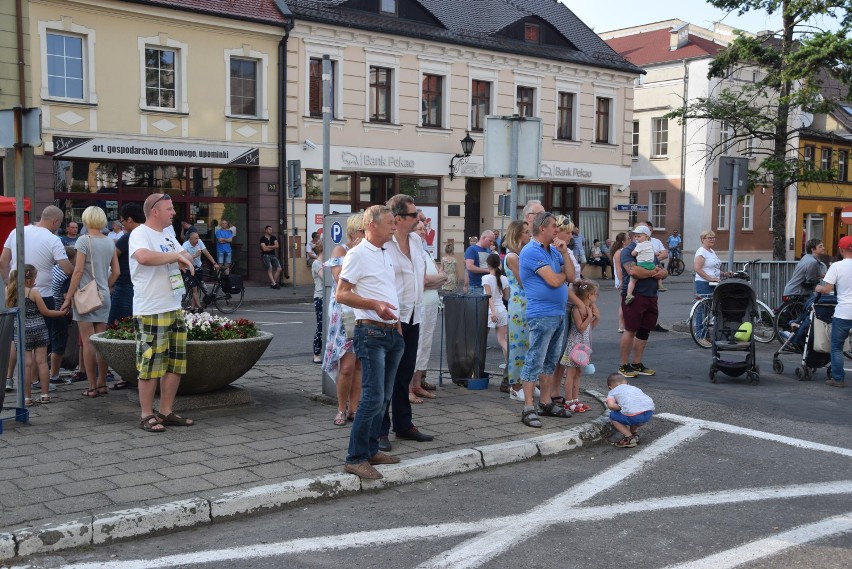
726	133
657	213
65	66
244	87
825	159
603	108
375	190
315	88
160	87
388	7
339	186
566	116
660	143
635	152
749	147
809	155
593	213
722	212
526	101
842	165
432	103
423	190
532	33
771	213
480	104
633	216
380	94
527	192
748	212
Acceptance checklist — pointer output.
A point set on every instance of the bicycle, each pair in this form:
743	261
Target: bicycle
792	308
676	265
701	316
225	296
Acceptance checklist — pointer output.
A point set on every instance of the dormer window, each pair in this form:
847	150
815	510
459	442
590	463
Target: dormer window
389	7
532	33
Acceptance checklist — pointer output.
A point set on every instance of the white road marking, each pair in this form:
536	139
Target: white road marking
755	550
276	311
276	323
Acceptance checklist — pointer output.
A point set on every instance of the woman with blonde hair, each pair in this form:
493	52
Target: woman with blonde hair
96	260
340	362
516	237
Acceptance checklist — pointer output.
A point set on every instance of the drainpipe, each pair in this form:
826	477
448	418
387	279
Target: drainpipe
683	154
282	134
19	24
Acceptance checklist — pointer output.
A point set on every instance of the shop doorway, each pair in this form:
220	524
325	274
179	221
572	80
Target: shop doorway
471	209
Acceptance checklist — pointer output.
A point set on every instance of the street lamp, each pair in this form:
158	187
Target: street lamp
467	147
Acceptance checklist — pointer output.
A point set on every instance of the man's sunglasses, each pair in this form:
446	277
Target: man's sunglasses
415	214
161	198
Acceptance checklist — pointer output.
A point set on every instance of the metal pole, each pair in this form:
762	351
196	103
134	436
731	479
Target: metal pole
513	168
732	227
19	254
328	386
293	240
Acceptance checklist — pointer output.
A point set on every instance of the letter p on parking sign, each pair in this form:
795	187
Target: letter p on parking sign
336	232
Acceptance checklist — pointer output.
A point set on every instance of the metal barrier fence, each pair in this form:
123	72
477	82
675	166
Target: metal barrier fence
768	279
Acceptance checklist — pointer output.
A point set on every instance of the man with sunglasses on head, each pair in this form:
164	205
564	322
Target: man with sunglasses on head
156	260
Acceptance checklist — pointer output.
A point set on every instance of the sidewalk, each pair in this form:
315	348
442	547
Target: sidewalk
79	460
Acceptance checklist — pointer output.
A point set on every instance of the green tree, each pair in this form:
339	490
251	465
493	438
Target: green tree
792	63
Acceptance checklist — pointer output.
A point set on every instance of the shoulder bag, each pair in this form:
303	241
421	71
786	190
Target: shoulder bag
88	298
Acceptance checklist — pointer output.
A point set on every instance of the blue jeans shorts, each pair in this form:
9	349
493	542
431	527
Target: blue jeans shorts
630	420
223	257
546	334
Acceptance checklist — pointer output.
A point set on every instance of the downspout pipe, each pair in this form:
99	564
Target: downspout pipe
282	133
22	76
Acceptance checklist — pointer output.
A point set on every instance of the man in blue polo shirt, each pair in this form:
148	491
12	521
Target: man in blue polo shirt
545	267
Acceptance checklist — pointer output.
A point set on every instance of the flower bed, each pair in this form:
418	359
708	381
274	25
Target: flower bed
201	327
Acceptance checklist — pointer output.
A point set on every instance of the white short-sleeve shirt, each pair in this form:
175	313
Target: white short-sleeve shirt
42	249
840	275
370	271
152	289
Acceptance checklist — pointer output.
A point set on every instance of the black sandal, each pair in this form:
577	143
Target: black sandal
554	410
120	385
150	423
174	420
530	419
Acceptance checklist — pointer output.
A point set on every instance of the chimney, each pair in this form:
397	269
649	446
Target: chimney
679	37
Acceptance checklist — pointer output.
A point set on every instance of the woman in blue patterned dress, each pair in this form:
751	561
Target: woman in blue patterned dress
517	235
340	362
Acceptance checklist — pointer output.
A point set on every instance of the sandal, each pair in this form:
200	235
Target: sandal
421	392
554	410
340	419
103	390
626	442
530	419
174	420
120	385
91	393
28	401
45	398
559	401
151	424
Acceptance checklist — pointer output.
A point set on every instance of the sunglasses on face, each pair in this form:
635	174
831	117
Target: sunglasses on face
415	214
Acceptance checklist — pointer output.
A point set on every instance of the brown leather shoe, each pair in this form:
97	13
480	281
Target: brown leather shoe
382	458
363	470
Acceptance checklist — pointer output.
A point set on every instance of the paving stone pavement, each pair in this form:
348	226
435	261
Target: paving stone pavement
81	457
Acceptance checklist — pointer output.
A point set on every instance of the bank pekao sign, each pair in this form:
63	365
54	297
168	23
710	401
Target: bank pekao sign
376	160
105	150
565	172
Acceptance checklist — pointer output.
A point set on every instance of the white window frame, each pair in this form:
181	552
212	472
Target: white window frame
482	73
634	141
842	165
531	81
656	130
181	50
825	158
606	91
442	68
262	60
771	213
726	133
67	27
722	212
748	213
314	50
572	88
657	218
388	60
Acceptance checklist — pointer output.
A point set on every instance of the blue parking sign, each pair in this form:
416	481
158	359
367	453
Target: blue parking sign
336	232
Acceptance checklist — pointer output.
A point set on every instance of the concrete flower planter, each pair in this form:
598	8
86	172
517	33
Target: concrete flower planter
210	365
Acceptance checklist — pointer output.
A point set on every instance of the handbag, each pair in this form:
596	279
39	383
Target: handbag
581	354
88	298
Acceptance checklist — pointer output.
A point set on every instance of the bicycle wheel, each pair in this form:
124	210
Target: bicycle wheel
227	302
676	267
701	323
789	311
764	326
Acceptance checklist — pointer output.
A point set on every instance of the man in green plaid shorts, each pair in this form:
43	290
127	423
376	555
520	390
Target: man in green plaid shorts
156	259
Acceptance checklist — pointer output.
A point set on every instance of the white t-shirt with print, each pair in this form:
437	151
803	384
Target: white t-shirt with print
152	288
42	249
840	275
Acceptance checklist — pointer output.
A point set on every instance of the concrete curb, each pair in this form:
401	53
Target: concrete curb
137	522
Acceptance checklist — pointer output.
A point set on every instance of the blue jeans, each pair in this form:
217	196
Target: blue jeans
545	346
379	350
702	288
400	406
122	302
476	290
840	328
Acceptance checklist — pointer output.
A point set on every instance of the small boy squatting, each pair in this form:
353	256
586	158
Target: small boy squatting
629	408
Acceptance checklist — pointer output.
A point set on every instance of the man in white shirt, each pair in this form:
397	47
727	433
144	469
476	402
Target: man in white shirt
156	260
838	279
367	285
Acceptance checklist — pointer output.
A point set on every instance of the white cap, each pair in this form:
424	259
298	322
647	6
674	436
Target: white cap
642	229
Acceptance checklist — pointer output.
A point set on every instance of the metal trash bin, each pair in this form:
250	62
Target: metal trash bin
466	335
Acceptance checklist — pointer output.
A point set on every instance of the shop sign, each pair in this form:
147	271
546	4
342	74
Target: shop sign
565	172
375	160
106	150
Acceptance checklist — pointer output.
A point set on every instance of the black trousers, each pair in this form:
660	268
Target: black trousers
400	407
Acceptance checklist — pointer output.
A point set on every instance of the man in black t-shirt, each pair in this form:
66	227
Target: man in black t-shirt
269	255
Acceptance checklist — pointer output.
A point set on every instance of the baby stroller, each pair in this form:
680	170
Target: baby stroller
817	349
734	309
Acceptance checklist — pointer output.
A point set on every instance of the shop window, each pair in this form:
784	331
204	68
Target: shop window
380	94
339	187
593	213
562	200
65	78
244	83
527	192
432	103
374	190
480	104
423	190
526	101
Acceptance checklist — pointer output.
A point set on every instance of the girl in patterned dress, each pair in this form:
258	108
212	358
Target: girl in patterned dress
517	235
35	331
579	333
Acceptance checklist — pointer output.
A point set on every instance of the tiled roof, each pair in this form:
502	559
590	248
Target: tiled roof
652	47
473	23
263	11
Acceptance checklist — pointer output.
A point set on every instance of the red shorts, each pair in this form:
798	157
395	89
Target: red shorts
641	313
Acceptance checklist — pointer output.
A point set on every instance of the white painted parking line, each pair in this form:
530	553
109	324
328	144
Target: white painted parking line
276	323
769	546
